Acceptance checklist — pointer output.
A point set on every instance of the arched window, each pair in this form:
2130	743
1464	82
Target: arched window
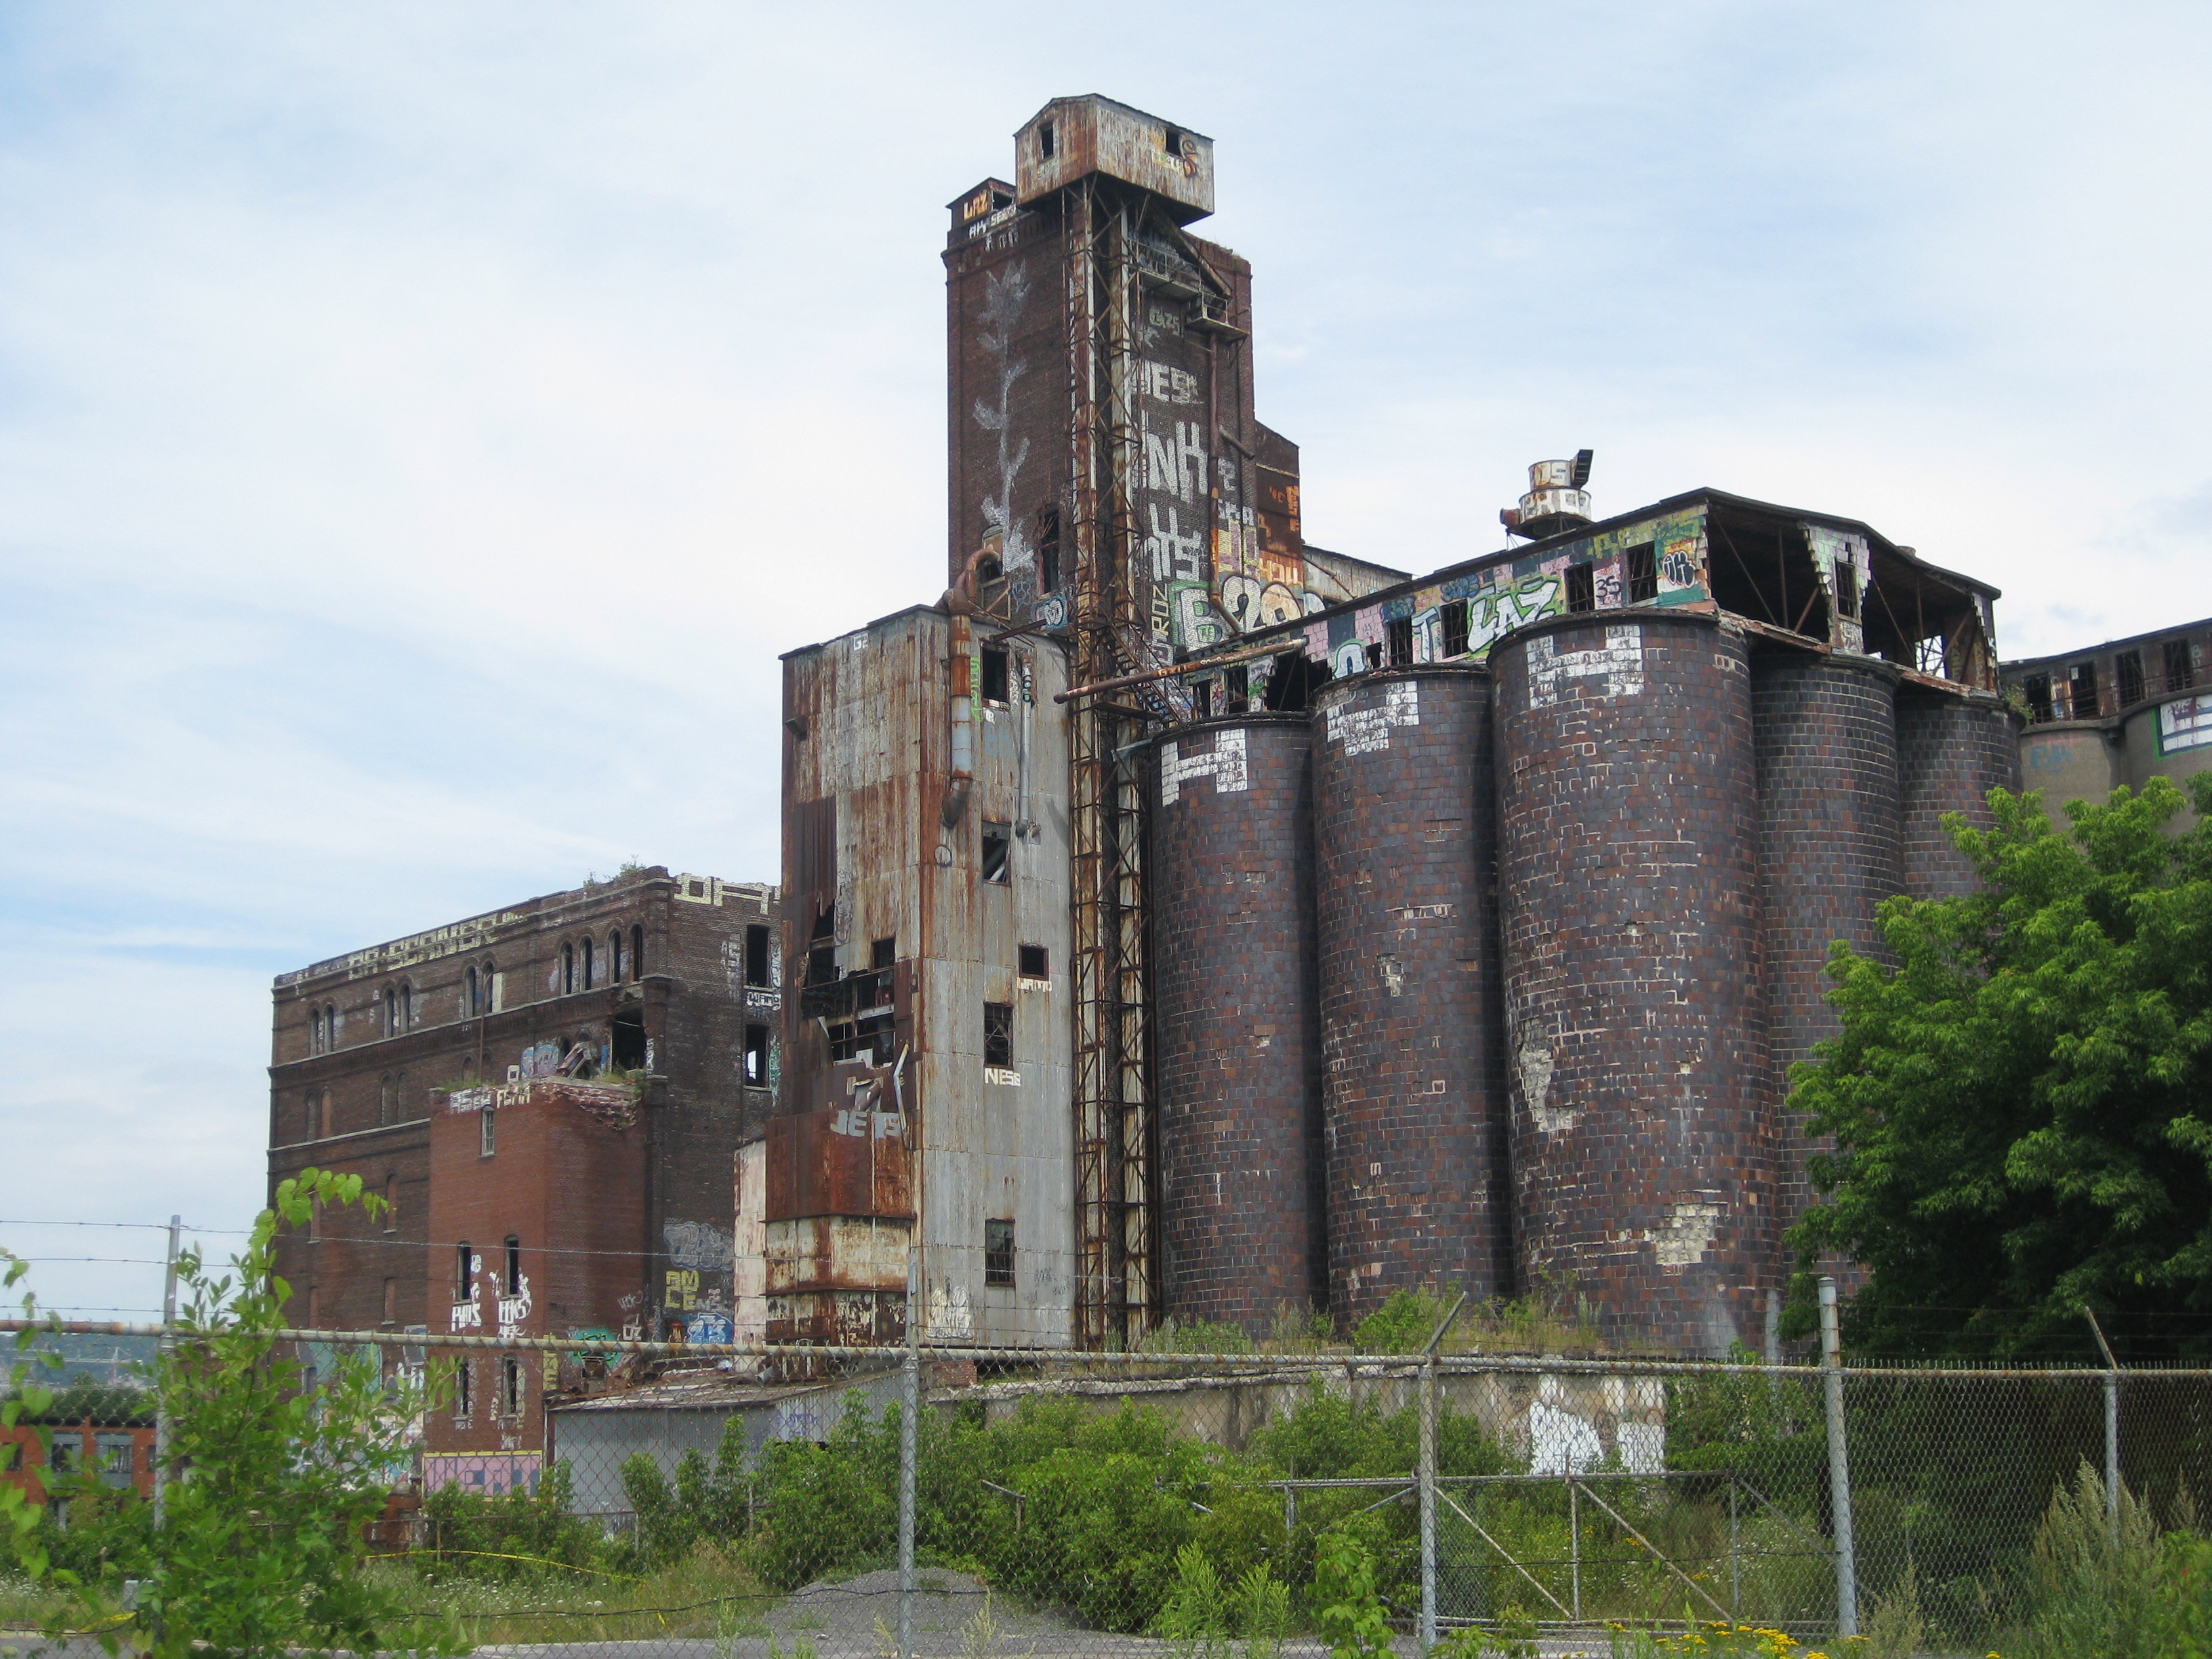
490	987
391	1204
637	953
406	1006
331	1024
314	1030
391	1011
614	957
384	1100
587	962
326	1126
475	995
567	968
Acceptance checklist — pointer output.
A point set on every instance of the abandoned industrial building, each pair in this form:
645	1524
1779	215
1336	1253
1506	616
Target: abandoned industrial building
2115	713
1197	923
548	1098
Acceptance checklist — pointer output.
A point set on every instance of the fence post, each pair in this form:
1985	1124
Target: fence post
909	1411
2112	1430
1428	1477
160	1399
1839	1467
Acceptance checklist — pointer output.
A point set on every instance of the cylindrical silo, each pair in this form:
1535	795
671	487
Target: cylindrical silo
1412	1092
1826	727
1952	748
1237	1059
1643	1159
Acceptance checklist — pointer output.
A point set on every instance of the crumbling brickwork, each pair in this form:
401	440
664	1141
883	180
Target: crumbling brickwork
1237	1045
1404	878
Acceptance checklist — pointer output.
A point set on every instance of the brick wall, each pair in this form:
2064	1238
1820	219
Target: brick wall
1413	1098
1235	1035
1951	752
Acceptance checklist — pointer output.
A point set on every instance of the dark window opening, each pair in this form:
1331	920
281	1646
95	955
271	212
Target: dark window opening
512	1379
2179	676
1582	588
1455	621
1048	546
1642	573
822	950
1374	654
464	1376
626	1042
998	1033
882	953
998	1253
392	1302
1036	962
637	953
476	995
1237	690
2081	691
2037	689
1201	700
1398	634
994	676
614	957
1048	142
872	1036
391	1011
465	1268
589	978
2127	669
567	968
1847	589
756	954
757	1056
997	849
513	1282
1172	140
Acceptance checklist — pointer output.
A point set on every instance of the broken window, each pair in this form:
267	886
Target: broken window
1374	654
998	1033
2179	676
1642	573
868	1039
756	954
882	953
511	1386
464	1387
1237	690
1036	962
513	1282
1847	589
2127	669
1582	588
1201	700
994	676
822	950
1048	547
465	1269
637	953
474	1003
998	847
588	980
615	958
1398	636
487	1133
998	1253
567	968
626	1044
1455	620
757	1056
315	1031
2081	691
1048	142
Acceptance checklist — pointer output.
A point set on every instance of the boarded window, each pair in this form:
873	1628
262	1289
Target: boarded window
756	954
998	1033
1642	573
2127	669
1036	962
998	850
1582	588
998	1253
757	1056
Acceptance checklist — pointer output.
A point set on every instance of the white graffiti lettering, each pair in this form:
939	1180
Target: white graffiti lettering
1620	660
1363	730
1224	765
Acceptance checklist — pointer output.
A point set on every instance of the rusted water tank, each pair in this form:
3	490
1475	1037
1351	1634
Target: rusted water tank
1235	1034
1644	1162
1828	849
1412	1101
1952	748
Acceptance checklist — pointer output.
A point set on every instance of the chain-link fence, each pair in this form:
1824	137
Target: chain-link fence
573	1494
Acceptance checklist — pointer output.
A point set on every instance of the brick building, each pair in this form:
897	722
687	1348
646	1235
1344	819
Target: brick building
1197	922
2115	713
553	1091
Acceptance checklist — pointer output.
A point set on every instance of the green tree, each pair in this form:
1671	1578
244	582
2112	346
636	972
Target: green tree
2022	1103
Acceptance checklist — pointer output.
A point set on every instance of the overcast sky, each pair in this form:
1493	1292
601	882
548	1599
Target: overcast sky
422	427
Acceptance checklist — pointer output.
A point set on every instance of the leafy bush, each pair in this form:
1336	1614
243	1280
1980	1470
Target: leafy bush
517	1535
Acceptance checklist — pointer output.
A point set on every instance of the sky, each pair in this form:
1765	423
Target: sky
422	426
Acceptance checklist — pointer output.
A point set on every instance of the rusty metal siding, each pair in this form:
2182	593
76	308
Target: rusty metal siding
1644	1144
1412	1090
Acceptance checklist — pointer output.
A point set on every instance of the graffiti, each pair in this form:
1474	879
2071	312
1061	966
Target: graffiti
1250	602
951	1318
1005	293
1606	585
695	1244
1176	468
1225	766
1363	730
1620	660
1168	384
2185	723
1492	615
514	1310
709	1327
681	1290
1678	563
482	1474
1051	610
